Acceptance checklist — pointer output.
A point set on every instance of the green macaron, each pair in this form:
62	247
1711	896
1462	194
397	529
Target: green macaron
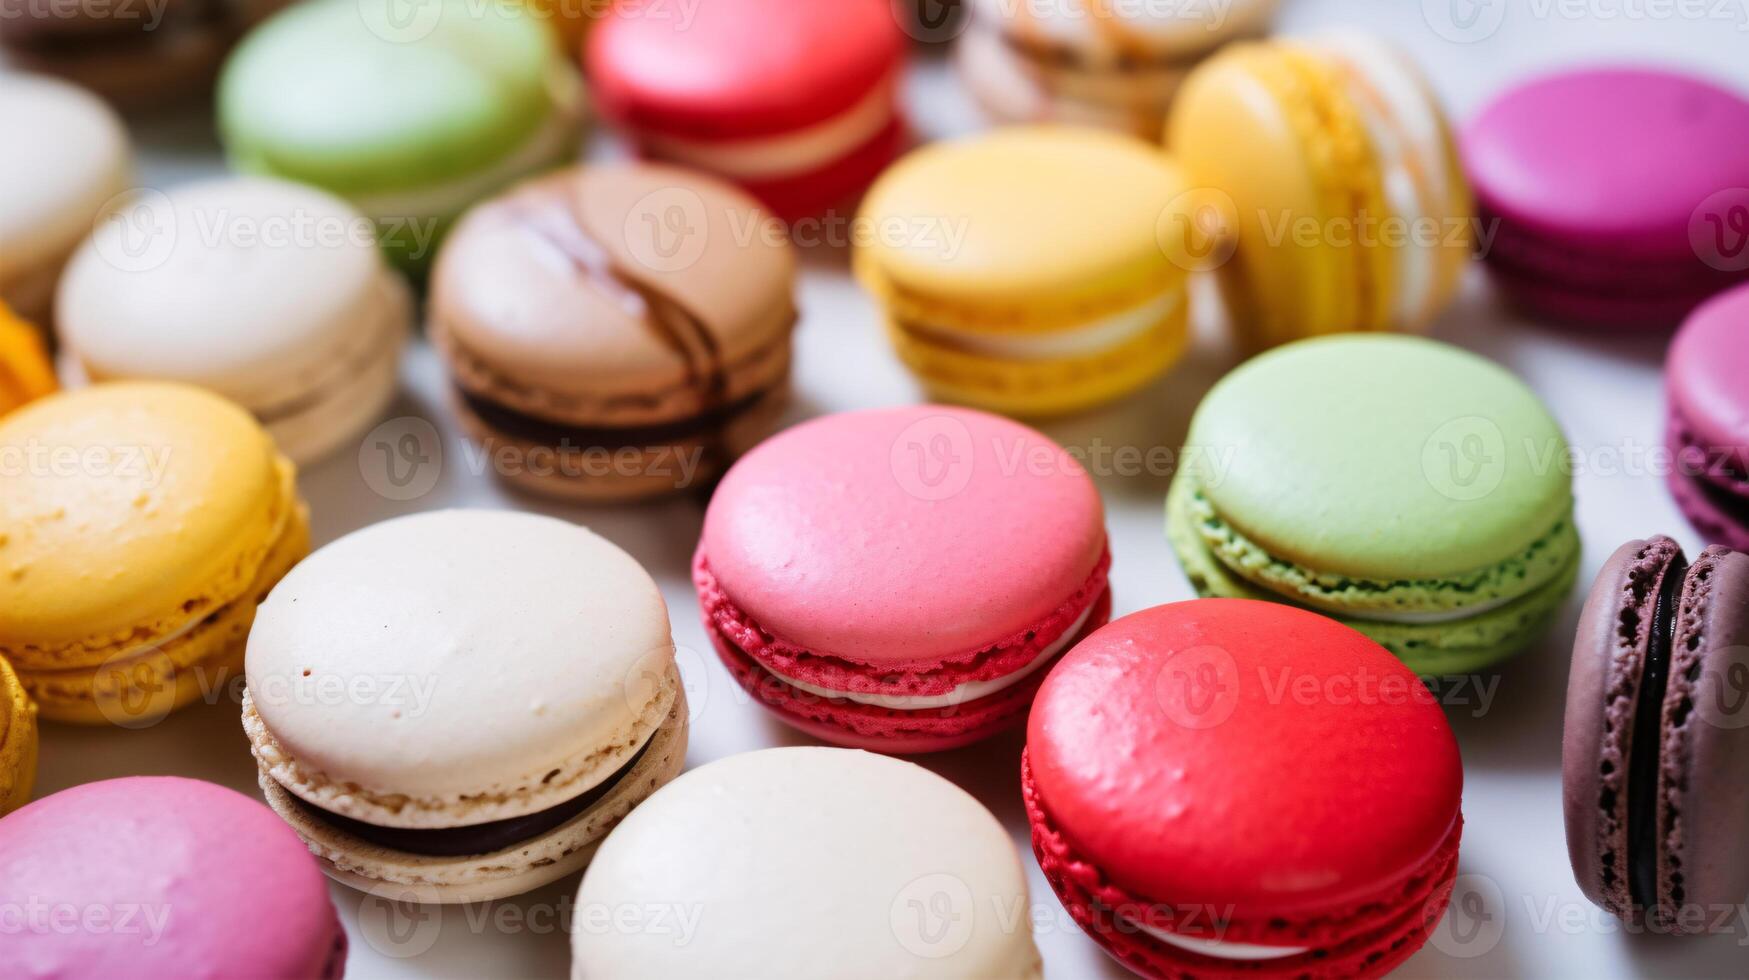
412	112
1415	491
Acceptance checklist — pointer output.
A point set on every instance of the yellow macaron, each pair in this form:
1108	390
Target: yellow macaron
25	371
140	524
1022	270
17	741
1329	171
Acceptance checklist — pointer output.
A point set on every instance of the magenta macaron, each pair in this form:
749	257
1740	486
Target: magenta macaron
1616	195
900	579
158	876
1706	377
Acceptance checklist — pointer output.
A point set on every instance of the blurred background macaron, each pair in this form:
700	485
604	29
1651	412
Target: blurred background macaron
411	115
18	741
806	862
25	371
273	294
508	694
797	102
893	579
1656	732
54	184
1162	755
137	56
169	876
1708	428
140	524
1022	270
1093	62
1619	197
617	332
1415	491
1329	178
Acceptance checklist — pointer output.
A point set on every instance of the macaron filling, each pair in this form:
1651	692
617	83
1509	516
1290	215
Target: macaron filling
1644	757
1080	340
792	153
1220	949
564	438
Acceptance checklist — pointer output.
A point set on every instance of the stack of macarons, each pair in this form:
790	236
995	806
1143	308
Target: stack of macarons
797	102
1709	418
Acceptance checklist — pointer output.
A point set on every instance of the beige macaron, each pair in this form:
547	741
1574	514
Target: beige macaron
616	332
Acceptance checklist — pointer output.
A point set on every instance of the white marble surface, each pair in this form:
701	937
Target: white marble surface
1521	914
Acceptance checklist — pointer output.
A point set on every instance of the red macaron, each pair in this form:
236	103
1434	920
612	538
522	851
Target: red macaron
1227	787
797	102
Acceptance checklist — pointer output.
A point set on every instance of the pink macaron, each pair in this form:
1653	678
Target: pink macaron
796	102
1617	196
158	876
1704	377
900	579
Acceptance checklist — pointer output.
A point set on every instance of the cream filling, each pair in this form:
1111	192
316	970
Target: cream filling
1086	340
791	153
1426	618
1217	949
1407	135
970	691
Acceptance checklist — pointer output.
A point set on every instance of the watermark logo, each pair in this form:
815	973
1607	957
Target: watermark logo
1198	230
933	916
1718	230
1464	21
1474	919
135	689
136	231
401	459
933	458
1465	459
1721	698
1198	687
668	230
400	921
401	21
932	21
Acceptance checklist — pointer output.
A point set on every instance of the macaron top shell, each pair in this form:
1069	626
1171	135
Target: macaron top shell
1409	459
497	647
737	69
1241	753
66	155
355	96
129	500
1705	371
807	862
545	285
1619	157
903	535
260	285
208	880
1029	216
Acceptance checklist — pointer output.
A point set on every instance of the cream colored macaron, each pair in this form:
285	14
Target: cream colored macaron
270	293
456	706
797	863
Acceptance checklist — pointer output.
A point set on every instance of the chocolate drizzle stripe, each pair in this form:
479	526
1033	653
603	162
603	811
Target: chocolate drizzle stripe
1648	743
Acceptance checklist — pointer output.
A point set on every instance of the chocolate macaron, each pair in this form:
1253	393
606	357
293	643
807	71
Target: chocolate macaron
1657	729
616	332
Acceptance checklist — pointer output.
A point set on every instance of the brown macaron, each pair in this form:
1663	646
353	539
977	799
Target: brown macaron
616	332
1657	734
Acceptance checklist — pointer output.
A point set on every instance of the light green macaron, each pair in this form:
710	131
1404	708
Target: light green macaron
412	112
1415	491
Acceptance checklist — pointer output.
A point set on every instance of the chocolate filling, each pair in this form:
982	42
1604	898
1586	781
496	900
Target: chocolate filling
518	425
482	838
1648	741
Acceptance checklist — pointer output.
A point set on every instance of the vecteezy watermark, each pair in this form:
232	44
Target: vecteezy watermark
1211	15
932	21
401	459
1201	687
1473	21
1201	229
1469	457
1718	230
38	916
676	466
142	465
406	695
402	922
933	916
149	14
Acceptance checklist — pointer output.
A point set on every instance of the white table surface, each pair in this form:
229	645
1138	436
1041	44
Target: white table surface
1520	913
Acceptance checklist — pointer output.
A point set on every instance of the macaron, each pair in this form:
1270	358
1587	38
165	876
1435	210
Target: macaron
140	523
595	357
1655	737
1021	271
1093	63
1616	194
1198	822
797	102
803	862
317	362
410	118
25	371
53	186
456	706
899	579
1412	490
1329	185
159	876
18	741
137	55
1709	418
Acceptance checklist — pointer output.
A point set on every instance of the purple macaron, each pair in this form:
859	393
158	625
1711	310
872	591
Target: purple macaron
1707	378
1618	197
1657	729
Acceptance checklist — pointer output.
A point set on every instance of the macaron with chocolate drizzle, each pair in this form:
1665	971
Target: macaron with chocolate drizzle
616	332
